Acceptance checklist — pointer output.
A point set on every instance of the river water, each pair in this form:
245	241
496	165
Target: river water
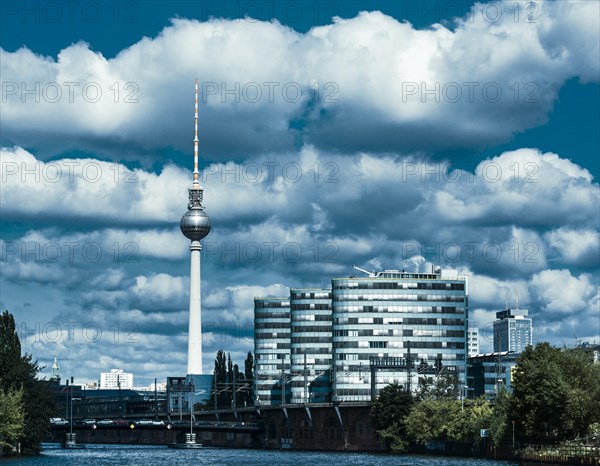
146	455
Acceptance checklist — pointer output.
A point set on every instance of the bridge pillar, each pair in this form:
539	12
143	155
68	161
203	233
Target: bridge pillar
70	439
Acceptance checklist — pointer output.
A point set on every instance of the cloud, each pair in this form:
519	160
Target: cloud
504	186
481	77
575	247
494	219
562	293
160	291
96	190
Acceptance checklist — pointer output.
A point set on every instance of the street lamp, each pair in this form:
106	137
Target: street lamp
191	438
462	397
70	440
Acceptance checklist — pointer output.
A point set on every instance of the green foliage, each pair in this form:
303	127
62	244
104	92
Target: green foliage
225	373
446	419
249	378
391	406
394	438
440	387
20	373
430	419
12	417
555	394
220	378
388	412
478	414
501	423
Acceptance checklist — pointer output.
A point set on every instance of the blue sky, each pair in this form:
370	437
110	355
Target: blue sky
383	134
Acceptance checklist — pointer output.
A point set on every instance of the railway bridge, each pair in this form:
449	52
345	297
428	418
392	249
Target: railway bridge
315	426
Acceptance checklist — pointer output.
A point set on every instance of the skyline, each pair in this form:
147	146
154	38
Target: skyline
354	170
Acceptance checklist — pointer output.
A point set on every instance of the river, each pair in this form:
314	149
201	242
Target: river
148	455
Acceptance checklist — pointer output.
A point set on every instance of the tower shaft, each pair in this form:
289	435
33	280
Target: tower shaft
195	324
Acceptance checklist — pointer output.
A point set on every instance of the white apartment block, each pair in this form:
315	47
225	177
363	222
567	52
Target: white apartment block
116	379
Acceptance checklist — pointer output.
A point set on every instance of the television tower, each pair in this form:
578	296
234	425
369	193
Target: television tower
195	225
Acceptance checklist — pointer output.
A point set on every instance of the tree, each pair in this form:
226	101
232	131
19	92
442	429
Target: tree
555	394
440	387
225	373
388	412
228	388
19	372
392	405
219	378
477	415
12	418
249	378
238	377
431	419
501	422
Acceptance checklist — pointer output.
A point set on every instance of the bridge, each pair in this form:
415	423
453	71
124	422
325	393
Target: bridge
315	426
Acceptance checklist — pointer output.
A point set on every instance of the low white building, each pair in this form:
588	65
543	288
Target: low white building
473	339
160	387
115	379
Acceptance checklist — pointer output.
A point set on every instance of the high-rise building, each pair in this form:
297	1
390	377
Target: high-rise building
116	379
361	335
473	339
391	316
272	330
311	345
513	330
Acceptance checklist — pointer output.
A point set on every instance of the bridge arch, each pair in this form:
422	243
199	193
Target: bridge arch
331	429
360	430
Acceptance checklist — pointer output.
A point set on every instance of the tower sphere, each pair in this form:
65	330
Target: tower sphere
195	224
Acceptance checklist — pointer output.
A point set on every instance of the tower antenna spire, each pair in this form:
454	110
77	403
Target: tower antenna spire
196	181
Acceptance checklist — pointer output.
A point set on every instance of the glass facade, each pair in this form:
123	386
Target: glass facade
513	331
333	336
272	330
396	315
311	346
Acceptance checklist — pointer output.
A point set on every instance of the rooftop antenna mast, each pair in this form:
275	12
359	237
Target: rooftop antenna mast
370	274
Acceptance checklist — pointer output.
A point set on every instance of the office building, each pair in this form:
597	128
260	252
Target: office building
311	345
390	316
272	331
488	373
362	334
513	330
